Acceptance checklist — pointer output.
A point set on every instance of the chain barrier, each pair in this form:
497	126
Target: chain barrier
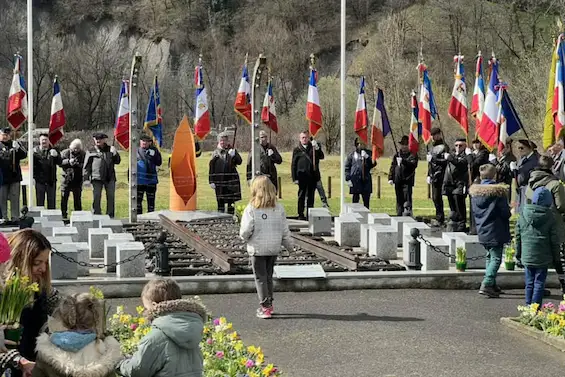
102	265
447	254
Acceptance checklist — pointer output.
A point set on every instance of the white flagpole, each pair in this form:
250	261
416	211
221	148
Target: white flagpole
342	112
30	123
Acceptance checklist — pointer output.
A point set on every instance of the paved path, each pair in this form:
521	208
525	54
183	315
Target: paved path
388	333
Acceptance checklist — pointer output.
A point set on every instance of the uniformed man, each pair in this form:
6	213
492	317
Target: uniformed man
456	184
358	177
45	162
72	161
401	175
270	157
11	155
223	176
527	162
148	160
436	170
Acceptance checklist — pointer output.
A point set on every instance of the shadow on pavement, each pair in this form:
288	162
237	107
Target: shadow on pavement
360	317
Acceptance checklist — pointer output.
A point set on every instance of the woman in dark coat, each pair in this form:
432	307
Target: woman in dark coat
223	176
358	174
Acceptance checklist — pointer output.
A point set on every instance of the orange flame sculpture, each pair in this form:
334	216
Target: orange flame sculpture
183	170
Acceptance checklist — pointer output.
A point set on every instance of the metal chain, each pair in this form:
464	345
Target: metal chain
447	254
101	265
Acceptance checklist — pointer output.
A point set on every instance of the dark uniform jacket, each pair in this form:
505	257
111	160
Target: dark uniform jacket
10	159
503	171
45	165
267	163
99	164
456	179
358	171
438	164
223	173
405	173
476	161
302	168
72	163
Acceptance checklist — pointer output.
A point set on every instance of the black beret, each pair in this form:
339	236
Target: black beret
476	141
145	138
7	130
99	135
404	140
526	143
459	139
435	131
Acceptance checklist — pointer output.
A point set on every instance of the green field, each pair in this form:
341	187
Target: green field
329	167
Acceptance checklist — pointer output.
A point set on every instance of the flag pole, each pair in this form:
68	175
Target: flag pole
30	117
342	108
312	67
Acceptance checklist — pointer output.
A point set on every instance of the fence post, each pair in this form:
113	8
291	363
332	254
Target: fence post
279	179
329	187
378	186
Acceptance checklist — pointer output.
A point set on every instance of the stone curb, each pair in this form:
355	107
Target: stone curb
338	281
553	341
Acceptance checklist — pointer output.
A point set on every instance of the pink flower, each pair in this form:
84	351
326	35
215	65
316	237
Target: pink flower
548	305
249	363
209	341
217	322
220	354
562	307
133	326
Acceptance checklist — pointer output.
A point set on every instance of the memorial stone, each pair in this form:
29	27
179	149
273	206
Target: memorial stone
70	231
61	269
319	221
397	222
135	268
96	239
347	230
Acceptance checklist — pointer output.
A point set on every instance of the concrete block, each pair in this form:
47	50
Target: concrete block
83	256
121	236
58	240
47	227
451	238
52	214
397	223
360	209
97	218
383	242
80	213
82	224
96	239
135	268
35	211
116	225
364	235
378	218
110	246
424	229
473	248
347	230
319	221
70	231
62	269
431	259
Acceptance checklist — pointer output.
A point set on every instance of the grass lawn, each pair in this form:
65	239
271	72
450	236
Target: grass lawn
329	167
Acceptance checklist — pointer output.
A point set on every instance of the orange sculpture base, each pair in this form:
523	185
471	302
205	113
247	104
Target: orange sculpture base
183	170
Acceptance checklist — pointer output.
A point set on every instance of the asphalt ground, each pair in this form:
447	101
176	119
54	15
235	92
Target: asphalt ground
388	333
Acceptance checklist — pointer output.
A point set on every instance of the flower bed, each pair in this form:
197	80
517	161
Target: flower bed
224	353
549	318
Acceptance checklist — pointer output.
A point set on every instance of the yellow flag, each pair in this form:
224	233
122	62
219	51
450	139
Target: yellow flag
548	125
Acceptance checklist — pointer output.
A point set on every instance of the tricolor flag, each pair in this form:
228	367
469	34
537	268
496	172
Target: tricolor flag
57	121
121	129
380	127
201	112
458	104
427	108
509	121
488	131
154	116
415	126
242	105
17	99
268	112
313	109
478	102
558	106
361	117
548	125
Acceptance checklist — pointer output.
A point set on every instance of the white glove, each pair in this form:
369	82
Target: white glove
315	144
349	183
151	152
399	161
446	155
213	185
429	157
468	151
513	165
270	152
391	182
475	152
231	152
429	180
73	161
295	182
364	154
53	153
16	145
492	157
113	150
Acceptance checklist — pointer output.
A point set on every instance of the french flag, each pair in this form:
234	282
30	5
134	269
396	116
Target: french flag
268	112
478	102
361	117
488	131
458	104
427	109
17	100
509	121
380	127
242	105
201	112
558	107
57	121
313	109
413	138
121	129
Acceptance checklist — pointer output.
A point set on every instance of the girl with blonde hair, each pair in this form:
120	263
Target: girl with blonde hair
76	346
264	227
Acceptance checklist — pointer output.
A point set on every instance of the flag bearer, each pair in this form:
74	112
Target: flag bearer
148	160
436	171
455	185
401	175
223	176
358	168
45	161
11	155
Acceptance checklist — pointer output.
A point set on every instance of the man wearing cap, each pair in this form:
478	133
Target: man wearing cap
401	175
99	170
436	171
269	157
503	172
456	184
527	162
11	154
148	160
358	168
477	157
72	161
223	176
45	162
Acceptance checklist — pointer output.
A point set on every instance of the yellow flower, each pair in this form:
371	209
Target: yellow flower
229	326
120	309
243	360
260	359
223	321
206	330
253	374
252	349
534	307
268	370
238	346
233	335
140	310
34	287
141	321
562	323
25	279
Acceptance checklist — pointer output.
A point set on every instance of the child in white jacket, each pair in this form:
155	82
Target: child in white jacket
264	227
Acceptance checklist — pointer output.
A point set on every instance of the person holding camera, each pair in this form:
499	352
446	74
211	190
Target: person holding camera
45	160
72	160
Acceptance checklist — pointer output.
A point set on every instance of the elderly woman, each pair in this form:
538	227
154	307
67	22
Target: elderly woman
223	176
72	160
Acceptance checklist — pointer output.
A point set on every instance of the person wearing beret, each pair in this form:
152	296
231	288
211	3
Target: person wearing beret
72	161
148	160
269	157
11	155
527	161
45	162
99	170
456	184
436	171
358	168
401	175
503	172
223	176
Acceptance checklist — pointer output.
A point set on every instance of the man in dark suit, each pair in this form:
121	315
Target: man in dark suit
527	162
